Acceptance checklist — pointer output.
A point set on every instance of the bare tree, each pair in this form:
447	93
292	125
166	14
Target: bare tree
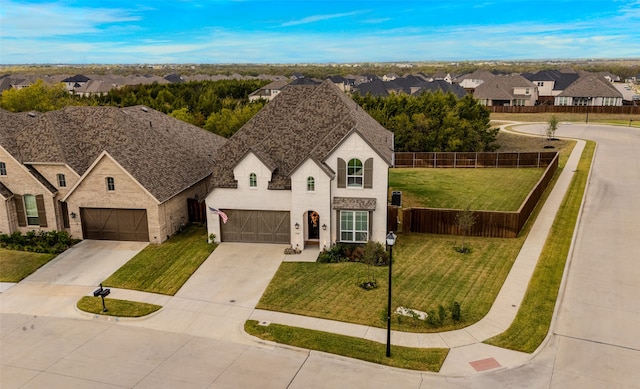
465	220
552	126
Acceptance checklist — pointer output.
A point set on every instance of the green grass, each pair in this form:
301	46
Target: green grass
16	265
531	324
614	119
366	350
478	189
164	268
115	307
427	272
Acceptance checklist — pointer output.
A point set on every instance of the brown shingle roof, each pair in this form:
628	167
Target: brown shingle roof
501	87
303	121
164	154
591	85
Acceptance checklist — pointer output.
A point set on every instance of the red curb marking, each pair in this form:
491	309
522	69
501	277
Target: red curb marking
485	364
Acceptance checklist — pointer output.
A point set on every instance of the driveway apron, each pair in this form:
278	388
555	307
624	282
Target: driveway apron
54	289
221	295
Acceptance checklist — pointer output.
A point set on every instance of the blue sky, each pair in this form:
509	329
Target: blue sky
264	31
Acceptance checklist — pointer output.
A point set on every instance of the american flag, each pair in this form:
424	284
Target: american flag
218	212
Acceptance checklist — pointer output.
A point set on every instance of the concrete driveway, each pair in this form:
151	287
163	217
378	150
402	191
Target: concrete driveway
55	287
221	295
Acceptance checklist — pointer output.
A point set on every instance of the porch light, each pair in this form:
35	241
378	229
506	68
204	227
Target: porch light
297	226
73	215
324	227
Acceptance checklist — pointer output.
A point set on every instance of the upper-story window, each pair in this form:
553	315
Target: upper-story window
355	173
111	184
62	181
311	184
31	210
3	169
253	180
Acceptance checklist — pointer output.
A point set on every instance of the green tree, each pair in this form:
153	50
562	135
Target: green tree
37	97
552	126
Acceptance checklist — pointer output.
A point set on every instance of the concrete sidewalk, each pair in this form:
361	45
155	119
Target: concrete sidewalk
466	344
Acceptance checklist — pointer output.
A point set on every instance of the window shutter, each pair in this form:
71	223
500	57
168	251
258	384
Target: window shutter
342	173
42	214
368	173
22	219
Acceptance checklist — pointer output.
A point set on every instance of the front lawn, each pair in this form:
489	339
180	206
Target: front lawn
164	268
427	272
489	189
115	307
15	265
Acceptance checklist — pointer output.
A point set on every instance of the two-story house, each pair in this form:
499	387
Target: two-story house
309	170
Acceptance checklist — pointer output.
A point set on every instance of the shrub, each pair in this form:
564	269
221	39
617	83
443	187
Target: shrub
455	311
52	242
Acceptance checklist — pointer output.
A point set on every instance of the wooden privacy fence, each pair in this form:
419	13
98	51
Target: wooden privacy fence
473	160
623	110
488	223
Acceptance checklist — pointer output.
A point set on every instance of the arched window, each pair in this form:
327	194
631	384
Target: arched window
355	173
253	180
311	184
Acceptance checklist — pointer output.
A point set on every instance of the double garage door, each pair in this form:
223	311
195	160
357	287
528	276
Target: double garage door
256	226
114	224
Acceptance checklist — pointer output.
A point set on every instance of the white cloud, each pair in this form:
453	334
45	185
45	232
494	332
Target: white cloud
317	18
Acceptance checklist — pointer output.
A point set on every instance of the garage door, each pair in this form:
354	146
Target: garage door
256	226
114	224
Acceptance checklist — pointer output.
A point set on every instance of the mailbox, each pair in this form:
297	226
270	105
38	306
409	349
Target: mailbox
102	292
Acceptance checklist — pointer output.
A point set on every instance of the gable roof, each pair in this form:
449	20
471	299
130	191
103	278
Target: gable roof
561	80
165	155
501	87
591	85
303	121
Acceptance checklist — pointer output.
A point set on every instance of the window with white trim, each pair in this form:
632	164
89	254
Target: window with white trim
311	184
354	226
253	180
562	100
31	210
111	184
355	173
3	169
62	181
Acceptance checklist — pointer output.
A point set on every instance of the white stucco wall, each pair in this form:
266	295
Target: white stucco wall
304	201
356	147
246	197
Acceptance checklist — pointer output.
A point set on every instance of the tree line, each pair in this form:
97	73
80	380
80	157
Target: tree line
428	122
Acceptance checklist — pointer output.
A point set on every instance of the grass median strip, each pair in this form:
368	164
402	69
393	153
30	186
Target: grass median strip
366	350
532	322
115	307
164	268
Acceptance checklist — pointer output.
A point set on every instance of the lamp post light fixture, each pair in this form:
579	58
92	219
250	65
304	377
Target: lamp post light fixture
391	240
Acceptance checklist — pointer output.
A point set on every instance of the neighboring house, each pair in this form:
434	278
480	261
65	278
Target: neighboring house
75	82
590	89
472	80
443	86
269	91
94	87
101	172
344	84
550	83
507	90
309	170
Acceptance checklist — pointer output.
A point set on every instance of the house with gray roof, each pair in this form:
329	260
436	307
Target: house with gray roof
507	90
309	170
101	172
590	89
550	83
269	91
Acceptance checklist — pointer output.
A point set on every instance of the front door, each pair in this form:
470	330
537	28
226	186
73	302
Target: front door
313	225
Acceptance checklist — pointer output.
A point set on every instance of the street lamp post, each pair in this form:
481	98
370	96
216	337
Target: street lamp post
391	240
